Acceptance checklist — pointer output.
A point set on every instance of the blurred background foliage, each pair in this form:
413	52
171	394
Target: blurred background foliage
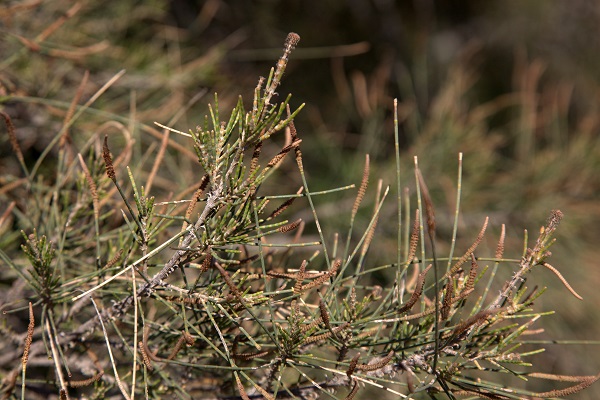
511	84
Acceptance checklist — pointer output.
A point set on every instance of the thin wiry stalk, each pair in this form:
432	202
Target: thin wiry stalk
456	211
56	358
398	192
112	360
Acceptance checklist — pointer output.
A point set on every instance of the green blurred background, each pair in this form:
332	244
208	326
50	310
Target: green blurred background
513	85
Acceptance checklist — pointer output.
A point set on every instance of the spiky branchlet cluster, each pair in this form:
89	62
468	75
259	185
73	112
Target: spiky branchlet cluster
223	315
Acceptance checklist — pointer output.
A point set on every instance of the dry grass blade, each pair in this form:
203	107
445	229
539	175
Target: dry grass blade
59	22
65	136
56	358
80	53
158	160
6	213
8	12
